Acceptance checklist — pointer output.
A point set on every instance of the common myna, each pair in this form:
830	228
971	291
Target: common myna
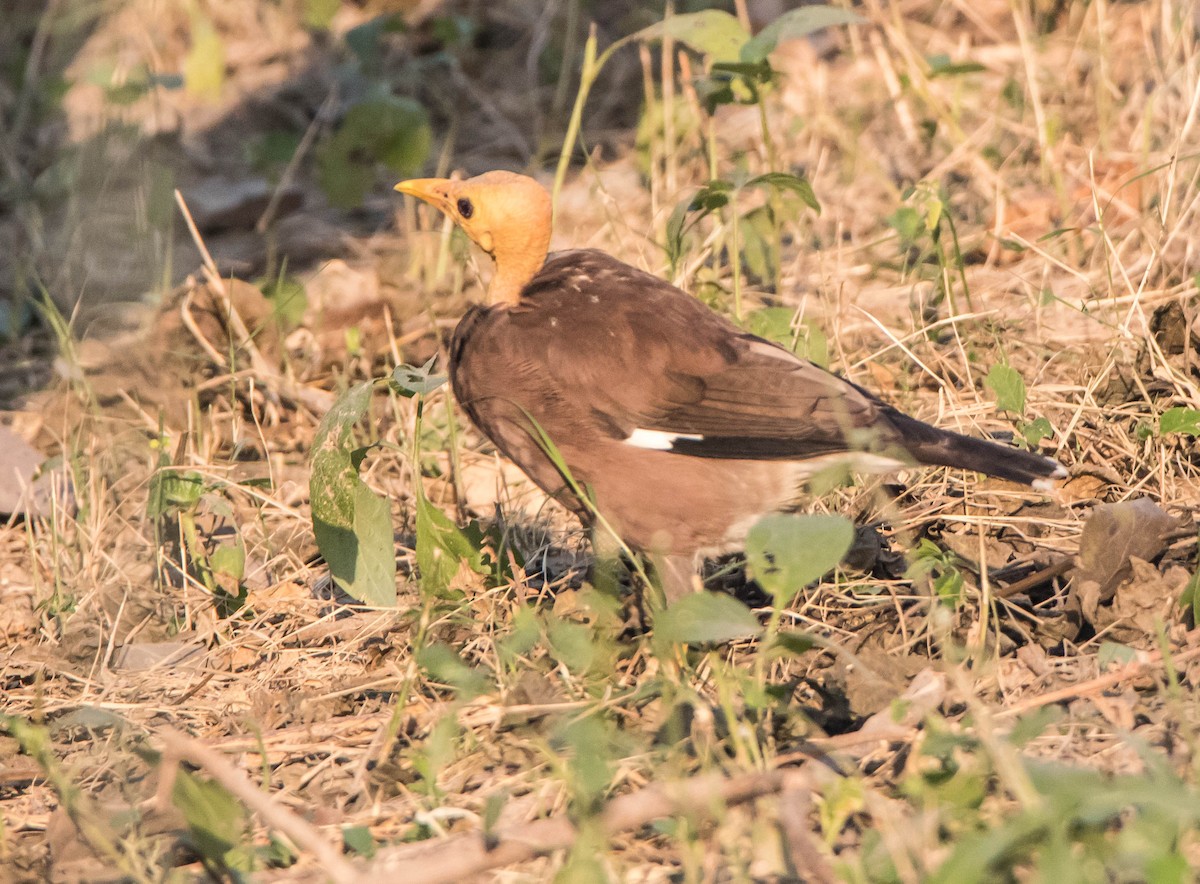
682	427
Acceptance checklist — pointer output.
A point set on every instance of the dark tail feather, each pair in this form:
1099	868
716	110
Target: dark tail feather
929	445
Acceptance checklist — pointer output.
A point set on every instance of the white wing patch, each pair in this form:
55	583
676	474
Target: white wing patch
657	440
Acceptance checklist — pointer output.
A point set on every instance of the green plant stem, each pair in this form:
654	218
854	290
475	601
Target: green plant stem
773	197
592	65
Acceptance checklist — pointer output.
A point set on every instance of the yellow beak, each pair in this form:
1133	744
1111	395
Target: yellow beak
432	190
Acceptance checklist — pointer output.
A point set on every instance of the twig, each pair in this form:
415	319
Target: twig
278	385
289	172
302	833
1100	683
461	856
1036	579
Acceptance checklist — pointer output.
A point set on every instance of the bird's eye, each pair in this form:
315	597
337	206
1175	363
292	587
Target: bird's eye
465	208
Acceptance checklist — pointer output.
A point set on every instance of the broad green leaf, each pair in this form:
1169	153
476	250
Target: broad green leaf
204	67
1180	420
1006	383
521	638
772	323
706	618
788	552
1114	654
353	525
793	641
711	32
907	222
791	25
1033	724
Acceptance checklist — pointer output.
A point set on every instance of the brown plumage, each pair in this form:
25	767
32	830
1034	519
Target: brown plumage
684	428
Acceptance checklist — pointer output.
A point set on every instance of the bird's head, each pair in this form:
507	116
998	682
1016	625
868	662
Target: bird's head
505	214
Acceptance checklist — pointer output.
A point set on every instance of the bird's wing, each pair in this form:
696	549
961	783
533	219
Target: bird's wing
661	370
757	401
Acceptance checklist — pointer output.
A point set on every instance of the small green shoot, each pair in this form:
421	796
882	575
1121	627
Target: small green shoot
941	568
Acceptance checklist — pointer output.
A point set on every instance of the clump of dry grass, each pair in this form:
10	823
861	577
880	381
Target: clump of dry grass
508	707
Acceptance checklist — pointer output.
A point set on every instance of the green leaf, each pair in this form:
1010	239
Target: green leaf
288	298
230	560
710	32
352	524
215	821
521	638
1006	383
907	222
204	66
788	552
409	380
1190	597
572	644
797	23
443	664
941	66
1033	724
785	181
391	130
172	491
1180	420
758	243
772	323
359	841
441	547
1035	431
793	641
317	14
706	618
1114	654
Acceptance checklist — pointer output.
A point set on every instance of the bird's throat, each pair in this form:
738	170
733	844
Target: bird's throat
513	273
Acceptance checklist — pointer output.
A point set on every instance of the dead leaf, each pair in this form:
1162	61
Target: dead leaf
996	552
877	678
1141	603
1114	534
175	654
1079	489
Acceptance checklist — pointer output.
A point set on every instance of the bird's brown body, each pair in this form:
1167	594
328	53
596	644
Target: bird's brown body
683	428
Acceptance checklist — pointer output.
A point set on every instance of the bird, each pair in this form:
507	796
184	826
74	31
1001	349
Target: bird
645	411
